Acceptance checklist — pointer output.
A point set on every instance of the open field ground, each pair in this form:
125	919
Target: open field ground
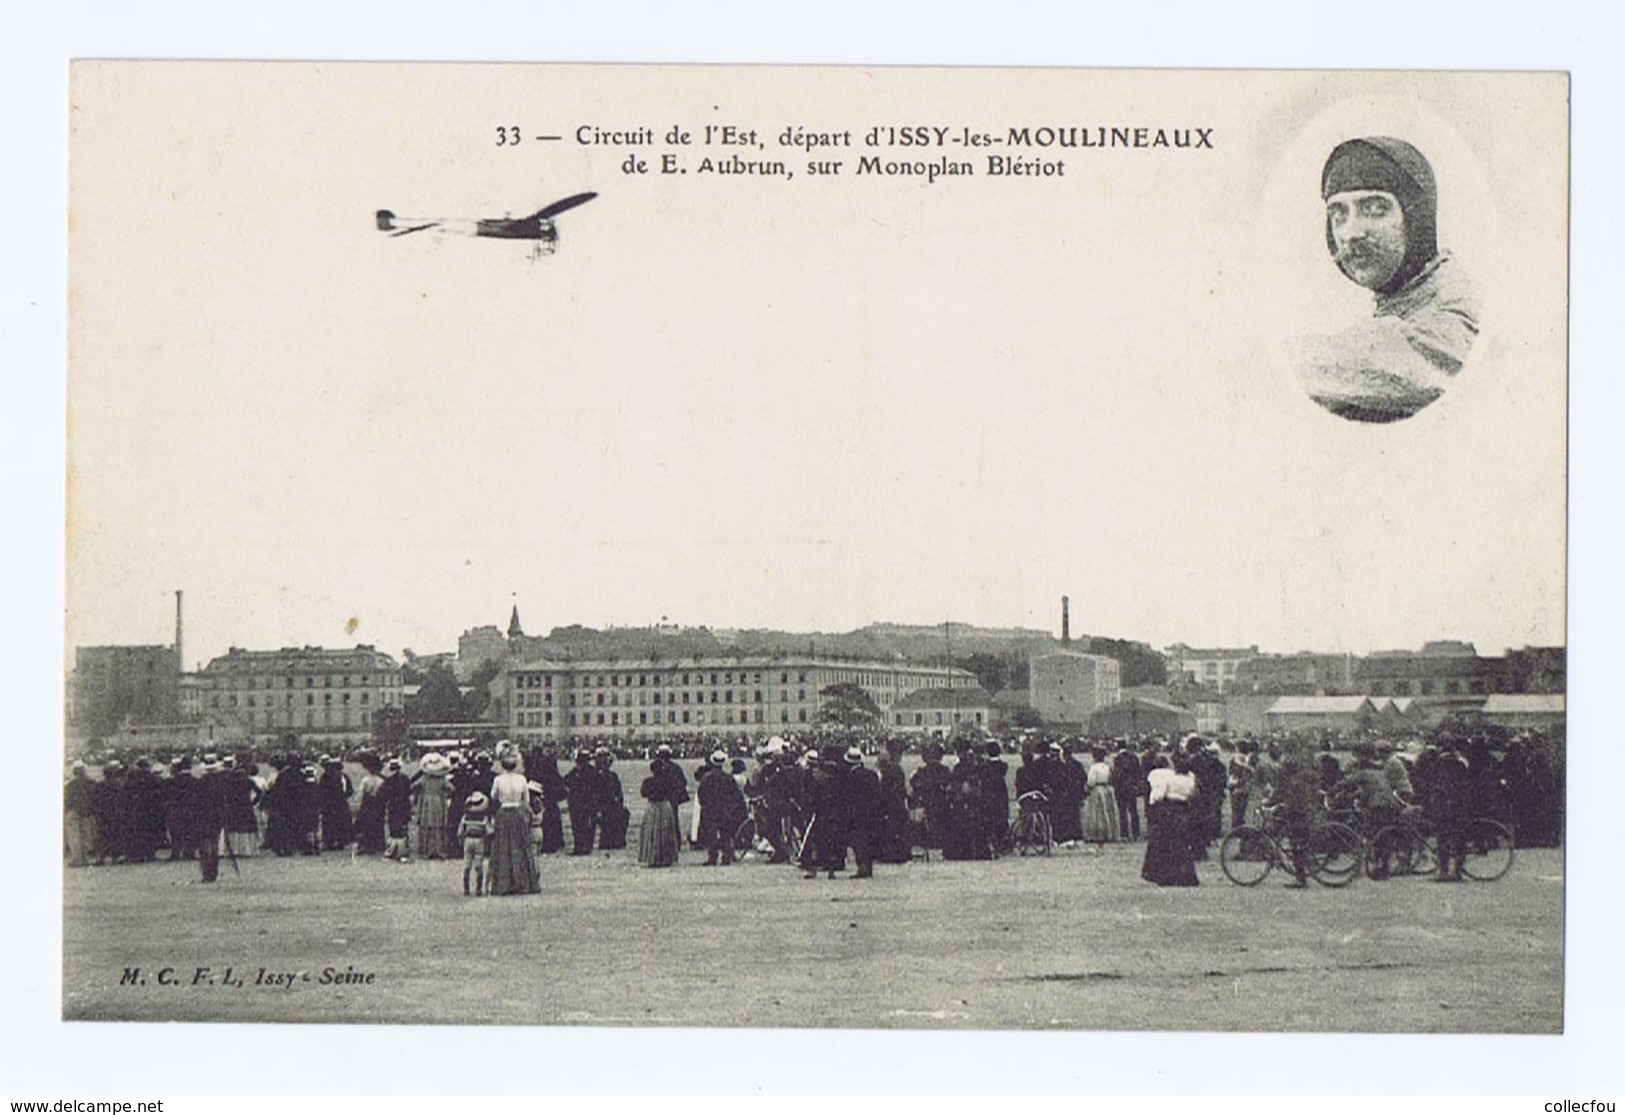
1074	941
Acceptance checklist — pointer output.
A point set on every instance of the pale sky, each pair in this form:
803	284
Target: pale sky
807	405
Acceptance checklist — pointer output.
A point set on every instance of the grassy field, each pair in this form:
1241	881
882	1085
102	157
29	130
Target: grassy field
1073	941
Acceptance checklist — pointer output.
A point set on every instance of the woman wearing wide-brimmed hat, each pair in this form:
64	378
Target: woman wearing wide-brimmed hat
431	790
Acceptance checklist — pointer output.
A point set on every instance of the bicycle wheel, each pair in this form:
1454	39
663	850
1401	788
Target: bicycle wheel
745	836
795	836
1247	855
1399	850
1337	854
1414	853
1026	837
1487	853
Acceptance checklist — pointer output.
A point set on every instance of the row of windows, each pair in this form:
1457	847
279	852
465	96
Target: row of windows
1408	688
616	681
313	719
613	700
629	681
310	699
588	719
291	682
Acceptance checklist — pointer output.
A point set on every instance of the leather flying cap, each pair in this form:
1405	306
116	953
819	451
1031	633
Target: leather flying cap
1395	167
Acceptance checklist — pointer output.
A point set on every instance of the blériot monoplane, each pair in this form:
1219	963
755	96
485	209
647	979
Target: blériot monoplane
538	227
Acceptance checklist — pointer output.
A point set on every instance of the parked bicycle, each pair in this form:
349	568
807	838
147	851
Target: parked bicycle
1333	853
753	832
1030	832
1411	847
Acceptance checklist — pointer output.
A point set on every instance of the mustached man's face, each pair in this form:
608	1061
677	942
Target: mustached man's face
1368	235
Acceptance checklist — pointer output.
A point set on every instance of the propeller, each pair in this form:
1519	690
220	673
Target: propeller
566	204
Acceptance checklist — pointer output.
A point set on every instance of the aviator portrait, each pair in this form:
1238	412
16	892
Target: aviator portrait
1381	203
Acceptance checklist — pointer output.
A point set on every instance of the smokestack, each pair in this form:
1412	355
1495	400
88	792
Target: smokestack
1066	622
179	657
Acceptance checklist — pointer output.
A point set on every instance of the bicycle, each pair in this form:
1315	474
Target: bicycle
1413	847
1030	832
749	836
1334	855
1401	849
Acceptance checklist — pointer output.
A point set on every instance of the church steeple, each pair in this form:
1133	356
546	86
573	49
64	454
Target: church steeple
514	630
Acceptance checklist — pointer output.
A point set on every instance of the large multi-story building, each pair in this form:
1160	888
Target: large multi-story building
124	685
1214	667
1402	674
1302	674
549	701
321	697
1066	687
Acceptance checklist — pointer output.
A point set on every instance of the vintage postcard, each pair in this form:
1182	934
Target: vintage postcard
848	547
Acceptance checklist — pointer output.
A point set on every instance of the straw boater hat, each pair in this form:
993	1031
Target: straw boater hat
718	757
476	803
434	763
393	765
854	756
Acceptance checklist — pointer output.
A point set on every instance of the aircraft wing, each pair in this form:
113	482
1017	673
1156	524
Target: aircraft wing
414	228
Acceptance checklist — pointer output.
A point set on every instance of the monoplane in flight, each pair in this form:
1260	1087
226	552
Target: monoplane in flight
538	227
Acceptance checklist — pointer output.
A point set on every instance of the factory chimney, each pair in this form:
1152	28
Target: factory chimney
1066	622
179	657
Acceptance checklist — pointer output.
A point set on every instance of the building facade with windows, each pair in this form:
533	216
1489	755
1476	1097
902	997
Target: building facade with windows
1214	667
321	697
941	712
1067	688
642	699
115	686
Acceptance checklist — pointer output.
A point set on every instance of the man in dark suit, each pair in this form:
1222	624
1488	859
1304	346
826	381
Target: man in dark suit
1128	786
861	810
1449	807
722	810
613	816
211	799
179	809
581	797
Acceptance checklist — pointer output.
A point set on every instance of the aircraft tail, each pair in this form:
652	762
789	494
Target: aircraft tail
386	220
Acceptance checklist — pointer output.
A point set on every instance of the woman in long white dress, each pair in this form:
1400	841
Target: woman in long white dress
513	860
1100	806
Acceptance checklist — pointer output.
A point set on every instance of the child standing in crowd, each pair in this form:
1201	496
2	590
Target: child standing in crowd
474	830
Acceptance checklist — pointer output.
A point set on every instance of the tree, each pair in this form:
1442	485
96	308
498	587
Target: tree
848	706
479	694
1141	665
1025	717
992	672
389	729
438	699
